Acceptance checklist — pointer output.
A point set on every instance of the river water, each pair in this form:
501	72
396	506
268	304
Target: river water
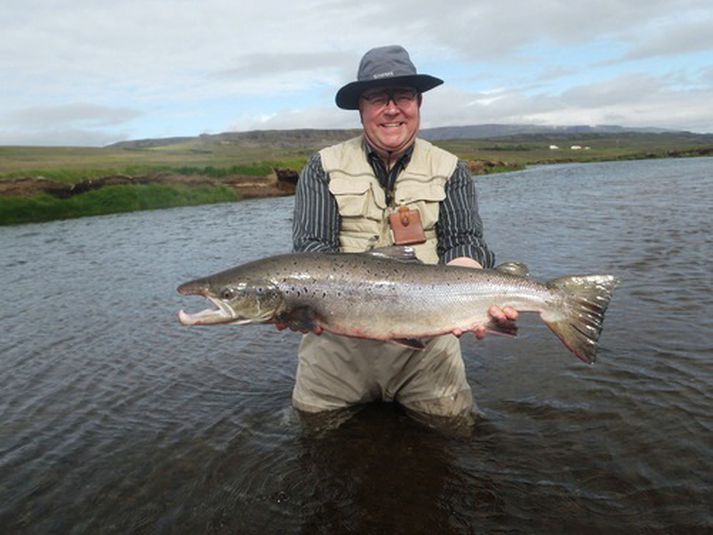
115	419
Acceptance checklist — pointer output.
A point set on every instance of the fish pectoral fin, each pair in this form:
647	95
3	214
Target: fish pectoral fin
412	343
505	329
299	319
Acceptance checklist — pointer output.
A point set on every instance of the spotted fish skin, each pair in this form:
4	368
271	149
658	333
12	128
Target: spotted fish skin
379	297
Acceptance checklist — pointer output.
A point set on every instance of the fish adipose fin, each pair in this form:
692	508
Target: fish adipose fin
514	268
586	300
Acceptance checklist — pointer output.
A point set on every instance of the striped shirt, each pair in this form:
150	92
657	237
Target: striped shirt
316	223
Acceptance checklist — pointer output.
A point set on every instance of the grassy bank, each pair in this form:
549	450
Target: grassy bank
109	200
250	157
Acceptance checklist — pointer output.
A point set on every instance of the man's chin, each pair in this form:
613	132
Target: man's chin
394	141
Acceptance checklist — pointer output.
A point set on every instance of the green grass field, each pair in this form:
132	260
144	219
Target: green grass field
70	165
534	149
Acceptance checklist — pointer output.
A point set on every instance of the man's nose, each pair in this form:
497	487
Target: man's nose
391	105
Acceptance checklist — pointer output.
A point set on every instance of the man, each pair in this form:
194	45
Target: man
346	199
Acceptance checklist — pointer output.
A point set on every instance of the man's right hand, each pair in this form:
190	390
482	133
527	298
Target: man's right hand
505	317
282	326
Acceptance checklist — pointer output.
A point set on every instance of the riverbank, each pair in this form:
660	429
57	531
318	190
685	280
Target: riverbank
34	199
38	199
46	183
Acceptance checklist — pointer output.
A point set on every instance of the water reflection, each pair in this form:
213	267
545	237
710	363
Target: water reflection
373	473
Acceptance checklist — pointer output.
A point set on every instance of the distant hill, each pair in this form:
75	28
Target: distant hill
482	131
296	138
299	138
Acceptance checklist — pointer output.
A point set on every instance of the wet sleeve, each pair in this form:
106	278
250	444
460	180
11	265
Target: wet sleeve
460	229
315	223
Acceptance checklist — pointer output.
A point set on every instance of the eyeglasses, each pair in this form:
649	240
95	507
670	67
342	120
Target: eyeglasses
401	96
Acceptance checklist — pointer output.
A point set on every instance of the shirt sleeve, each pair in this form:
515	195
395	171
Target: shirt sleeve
315	222
460	229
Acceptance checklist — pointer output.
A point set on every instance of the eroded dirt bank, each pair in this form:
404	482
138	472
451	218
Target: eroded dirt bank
281	182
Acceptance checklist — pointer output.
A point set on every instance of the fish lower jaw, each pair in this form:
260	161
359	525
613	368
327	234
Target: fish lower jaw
220	314
205	317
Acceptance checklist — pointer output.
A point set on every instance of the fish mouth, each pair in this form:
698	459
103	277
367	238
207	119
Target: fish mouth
223	313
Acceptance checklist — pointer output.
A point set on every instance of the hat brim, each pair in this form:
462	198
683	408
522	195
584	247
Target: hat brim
347	97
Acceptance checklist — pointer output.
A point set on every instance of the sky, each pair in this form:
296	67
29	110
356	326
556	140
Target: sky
94	72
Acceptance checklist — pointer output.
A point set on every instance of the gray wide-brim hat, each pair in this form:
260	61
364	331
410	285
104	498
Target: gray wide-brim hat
384	66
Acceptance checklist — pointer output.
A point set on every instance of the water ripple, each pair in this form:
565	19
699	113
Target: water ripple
117	419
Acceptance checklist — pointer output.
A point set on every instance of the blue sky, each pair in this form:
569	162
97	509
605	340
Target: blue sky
89	72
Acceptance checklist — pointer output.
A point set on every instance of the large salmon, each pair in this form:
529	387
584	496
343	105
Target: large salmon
388	295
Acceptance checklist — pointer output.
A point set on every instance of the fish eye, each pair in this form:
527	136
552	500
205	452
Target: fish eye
227	293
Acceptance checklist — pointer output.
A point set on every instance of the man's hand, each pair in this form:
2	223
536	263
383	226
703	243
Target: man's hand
465	261
282	326
501	316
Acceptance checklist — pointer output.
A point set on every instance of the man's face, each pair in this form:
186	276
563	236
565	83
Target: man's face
391	117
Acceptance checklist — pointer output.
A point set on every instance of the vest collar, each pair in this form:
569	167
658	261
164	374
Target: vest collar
372	154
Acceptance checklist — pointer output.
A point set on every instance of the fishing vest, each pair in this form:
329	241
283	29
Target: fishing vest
362	201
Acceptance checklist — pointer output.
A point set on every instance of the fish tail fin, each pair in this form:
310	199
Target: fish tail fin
579	323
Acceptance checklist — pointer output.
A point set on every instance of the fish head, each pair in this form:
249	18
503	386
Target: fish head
235	302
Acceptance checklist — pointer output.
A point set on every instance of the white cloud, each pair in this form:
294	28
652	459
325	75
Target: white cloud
672	36
68	114
323	117
71	124
635	100
148	65
70	137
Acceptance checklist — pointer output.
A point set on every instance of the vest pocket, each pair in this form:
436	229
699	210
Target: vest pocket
355	198
424	197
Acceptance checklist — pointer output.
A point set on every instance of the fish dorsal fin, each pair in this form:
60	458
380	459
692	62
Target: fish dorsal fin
514	268
395	252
